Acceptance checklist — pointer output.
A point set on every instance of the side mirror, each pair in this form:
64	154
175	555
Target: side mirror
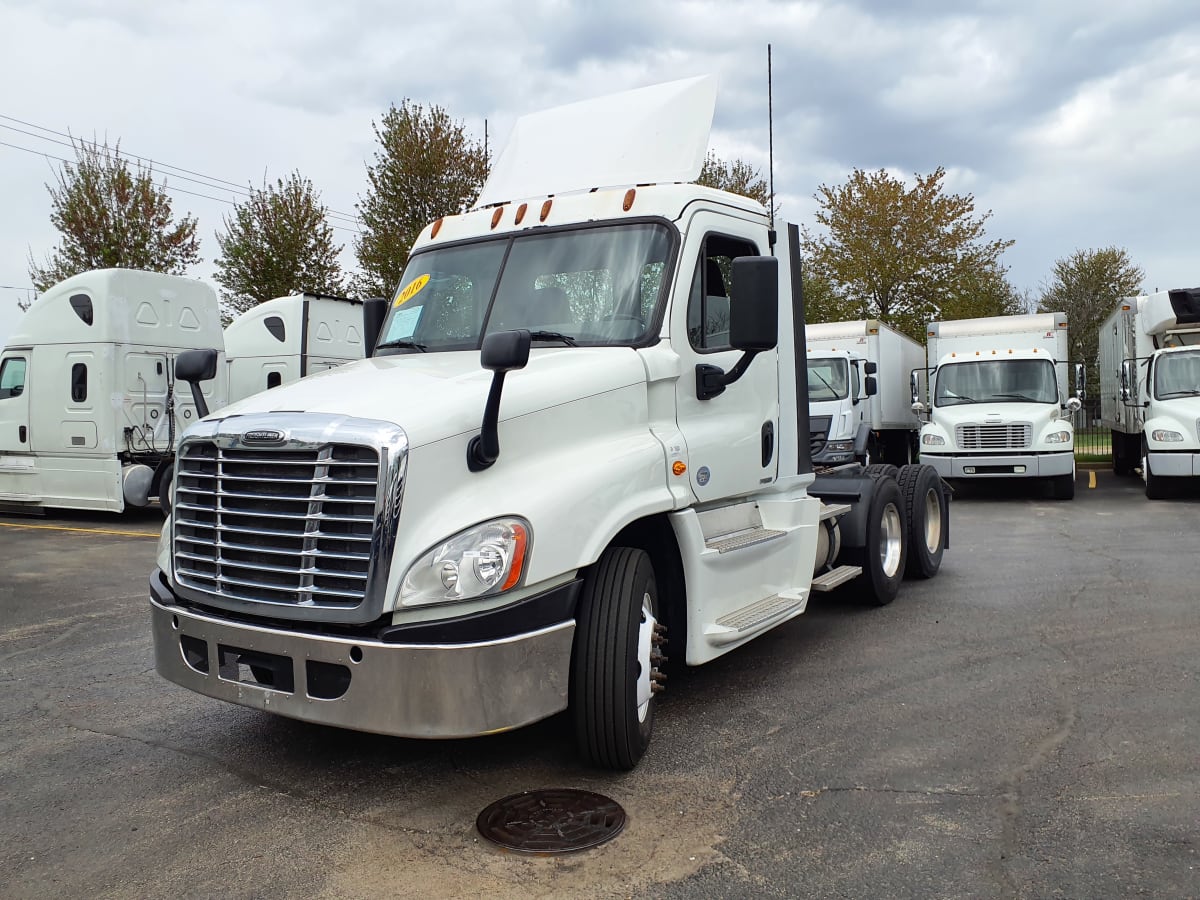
1074	404
754	303
753	320
502	351
870	367
1128	379
914	388
1080	382
195	366
375	310
918	407
870	385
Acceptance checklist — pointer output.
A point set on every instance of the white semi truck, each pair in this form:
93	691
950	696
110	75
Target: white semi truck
89	412
580	445
1150	387
1000	401
858	392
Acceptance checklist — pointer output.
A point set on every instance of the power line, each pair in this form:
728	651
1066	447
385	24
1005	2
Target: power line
170	187
209	180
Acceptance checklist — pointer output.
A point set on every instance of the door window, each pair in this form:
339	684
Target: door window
12	377
708	303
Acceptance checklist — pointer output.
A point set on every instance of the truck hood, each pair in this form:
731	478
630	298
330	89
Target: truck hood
438	395
995	414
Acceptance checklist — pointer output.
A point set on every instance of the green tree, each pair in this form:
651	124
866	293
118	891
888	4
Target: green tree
110	216
906	255
426	167
277	242
1086	286
735	176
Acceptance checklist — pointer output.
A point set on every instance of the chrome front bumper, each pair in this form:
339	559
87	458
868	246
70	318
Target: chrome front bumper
1039	465
406	690
1177	464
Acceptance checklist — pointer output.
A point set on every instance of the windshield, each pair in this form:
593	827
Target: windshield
996	381
589	286
1177	375
827	379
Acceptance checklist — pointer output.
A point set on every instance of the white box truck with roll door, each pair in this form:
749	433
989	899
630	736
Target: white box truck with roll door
580	445
1000	404
89	411
858	391
1150	387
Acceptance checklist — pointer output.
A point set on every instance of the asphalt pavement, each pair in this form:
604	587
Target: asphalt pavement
1025	724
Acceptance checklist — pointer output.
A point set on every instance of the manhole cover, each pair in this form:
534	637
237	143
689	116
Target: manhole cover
557	820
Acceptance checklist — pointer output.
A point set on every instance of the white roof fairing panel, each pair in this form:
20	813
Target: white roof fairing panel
653	134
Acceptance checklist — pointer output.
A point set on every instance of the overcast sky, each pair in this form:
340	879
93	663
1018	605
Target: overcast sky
1076	123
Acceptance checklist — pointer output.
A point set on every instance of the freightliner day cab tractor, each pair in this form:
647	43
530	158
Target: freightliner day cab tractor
1000	405
1150	387
580	446
859	404
89	412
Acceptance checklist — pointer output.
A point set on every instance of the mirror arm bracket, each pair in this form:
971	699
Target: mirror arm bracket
711	381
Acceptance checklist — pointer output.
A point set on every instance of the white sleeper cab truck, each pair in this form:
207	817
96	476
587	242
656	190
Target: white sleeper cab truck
1150	387
579	447
88	408
999	400
858	392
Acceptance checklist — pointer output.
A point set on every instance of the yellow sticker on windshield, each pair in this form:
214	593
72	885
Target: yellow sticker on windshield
411	290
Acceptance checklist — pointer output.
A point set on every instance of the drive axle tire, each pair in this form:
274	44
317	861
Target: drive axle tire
614	674
885	552
1062	487
926	519
881	470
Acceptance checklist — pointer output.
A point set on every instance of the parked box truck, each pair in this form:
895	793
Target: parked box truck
1001	395
580	446
858	390
89	411
1150	387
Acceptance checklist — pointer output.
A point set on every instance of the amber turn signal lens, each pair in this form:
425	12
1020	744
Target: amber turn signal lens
678	467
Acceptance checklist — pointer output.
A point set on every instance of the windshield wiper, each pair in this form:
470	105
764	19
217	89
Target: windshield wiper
955	399
1025	397
1183	392
821	378
402	345
552	336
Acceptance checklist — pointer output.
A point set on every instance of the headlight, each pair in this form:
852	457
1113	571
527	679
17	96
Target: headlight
484	560
1163	436
933	440
1059	437
840	446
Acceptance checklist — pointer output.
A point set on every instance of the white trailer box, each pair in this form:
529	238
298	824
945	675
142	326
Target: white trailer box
858	388
1000	404
1149	357
88	406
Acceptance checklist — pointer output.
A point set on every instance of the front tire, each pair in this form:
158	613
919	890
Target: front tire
927	516
1156	485
885	553
166	494
1062	487
614	674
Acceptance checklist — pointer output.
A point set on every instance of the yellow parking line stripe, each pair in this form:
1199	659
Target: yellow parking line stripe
152	534
1092	479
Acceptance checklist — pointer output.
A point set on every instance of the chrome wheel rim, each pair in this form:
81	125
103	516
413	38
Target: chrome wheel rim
645	691
933	521
891	540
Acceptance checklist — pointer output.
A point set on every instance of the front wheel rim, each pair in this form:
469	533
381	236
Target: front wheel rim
891	540
645	690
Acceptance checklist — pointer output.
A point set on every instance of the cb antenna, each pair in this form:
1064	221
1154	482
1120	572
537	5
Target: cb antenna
770	155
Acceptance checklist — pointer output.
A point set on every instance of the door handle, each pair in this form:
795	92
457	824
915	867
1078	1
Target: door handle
768	443
22	434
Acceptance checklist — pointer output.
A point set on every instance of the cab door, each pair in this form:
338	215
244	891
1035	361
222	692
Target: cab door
731	438
14	402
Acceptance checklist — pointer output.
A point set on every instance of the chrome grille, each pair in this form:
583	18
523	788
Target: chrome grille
1015	436
287	526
